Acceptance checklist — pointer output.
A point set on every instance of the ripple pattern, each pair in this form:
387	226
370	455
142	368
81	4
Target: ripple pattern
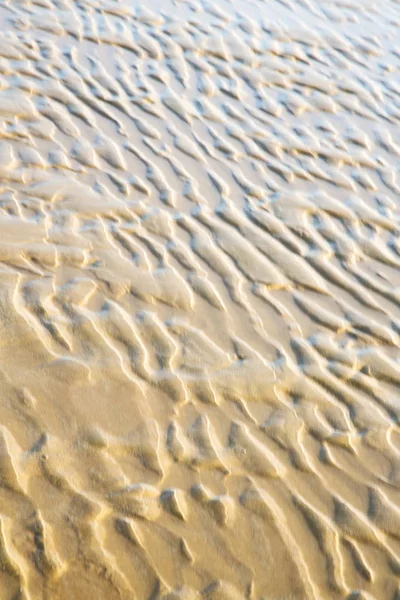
199	300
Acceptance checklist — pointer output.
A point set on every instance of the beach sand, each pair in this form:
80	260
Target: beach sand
199	300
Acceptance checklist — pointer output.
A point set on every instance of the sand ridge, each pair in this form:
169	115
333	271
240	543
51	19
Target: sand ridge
199	300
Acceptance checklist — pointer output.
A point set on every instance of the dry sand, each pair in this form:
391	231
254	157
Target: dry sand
199	300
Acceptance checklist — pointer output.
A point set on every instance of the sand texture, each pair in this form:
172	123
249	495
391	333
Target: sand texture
199	300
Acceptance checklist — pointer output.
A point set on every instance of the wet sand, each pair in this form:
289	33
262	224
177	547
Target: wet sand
199	300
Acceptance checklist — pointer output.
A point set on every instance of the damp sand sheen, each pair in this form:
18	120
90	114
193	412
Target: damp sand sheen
199	300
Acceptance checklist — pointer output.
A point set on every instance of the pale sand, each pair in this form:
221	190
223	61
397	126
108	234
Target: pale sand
199	300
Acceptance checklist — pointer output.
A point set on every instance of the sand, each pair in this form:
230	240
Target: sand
199	300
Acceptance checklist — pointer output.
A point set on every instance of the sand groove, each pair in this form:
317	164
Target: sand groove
199	301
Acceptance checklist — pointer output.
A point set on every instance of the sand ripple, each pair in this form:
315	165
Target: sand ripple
199	300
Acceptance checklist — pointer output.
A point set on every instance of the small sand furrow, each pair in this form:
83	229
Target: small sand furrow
199	300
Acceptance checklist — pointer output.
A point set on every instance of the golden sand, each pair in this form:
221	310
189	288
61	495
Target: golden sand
199	300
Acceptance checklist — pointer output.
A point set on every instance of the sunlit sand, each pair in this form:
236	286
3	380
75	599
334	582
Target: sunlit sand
199	300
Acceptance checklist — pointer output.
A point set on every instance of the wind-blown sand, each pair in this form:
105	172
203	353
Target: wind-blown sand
199	300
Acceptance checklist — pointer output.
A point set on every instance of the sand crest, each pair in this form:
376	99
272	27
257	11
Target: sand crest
199	300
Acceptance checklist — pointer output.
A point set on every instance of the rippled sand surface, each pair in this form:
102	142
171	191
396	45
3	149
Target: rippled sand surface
199	300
